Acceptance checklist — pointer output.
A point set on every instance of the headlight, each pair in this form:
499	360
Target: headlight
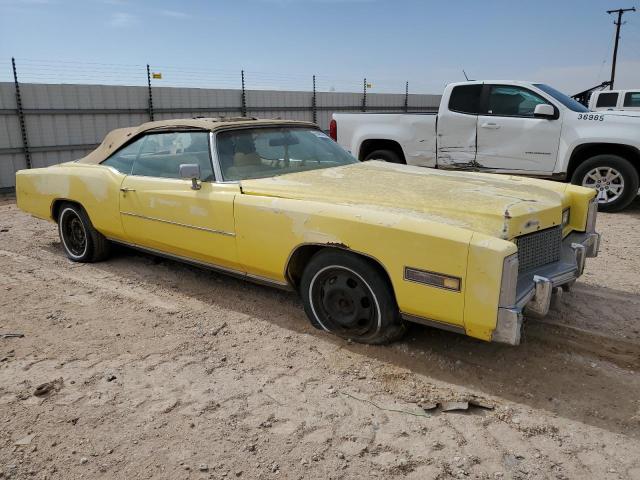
509	281
566	217
590	227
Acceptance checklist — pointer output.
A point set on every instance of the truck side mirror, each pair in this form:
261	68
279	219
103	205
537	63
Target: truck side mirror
191	171
544	110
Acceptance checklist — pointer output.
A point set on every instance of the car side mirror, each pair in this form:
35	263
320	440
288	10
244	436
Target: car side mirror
191	171
544	110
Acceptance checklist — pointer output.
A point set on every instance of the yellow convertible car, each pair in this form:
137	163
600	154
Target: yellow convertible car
369	246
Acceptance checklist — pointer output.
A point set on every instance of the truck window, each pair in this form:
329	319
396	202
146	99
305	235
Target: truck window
513	101
465	99
632	99
607	100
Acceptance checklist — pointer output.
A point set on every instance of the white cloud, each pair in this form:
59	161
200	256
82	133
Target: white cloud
122	20
174	14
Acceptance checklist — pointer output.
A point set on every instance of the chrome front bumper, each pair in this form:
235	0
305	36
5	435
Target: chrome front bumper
536	289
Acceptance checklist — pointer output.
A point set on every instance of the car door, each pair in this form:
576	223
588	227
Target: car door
510	137
161	211
456	128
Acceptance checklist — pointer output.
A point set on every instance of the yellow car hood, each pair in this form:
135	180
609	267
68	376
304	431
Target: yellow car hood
497	205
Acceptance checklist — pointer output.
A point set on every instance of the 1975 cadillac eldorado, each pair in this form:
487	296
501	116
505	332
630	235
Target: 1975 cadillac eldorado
369	246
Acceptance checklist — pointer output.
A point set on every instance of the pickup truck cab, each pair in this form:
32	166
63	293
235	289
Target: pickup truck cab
509	127
615	100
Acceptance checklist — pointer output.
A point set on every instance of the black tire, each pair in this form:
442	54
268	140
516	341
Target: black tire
349	296
81	242
384	155
627	181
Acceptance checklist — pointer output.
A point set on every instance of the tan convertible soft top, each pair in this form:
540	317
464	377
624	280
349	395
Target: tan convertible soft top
118	137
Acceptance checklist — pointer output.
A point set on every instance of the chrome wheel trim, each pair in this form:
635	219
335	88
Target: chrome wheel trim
607	181
70	215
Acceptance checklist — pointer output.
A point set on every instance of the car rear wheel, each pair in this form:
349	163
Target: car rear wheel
80	240
347	295
384	155
614	179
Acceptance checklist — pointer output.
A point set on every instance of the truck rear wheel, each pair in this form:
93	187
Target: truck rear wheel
614	178
384	155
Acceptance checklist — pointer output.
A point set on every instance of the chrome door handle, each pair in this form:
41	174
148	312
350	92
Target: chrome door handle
127	189
491	125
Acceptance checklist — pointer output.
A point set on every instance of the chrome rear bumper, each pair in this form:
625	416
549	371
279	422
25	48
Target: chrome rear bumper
536	289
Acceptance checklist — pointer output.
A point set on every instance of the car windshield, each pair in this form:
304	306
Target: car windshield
566	100
267	152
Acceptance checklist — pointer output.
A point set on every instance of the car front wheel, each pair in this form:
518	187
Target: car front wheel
614	178
80	240
349	296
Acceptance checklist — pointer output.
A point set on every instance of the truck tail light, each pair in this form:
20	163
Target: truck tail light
333	130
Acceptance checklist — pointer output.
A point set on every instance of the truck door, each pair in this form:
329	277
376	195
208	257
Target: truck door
457	124
511	137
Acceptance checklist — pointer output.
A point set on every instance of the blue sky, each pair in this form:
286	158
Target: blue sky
281	43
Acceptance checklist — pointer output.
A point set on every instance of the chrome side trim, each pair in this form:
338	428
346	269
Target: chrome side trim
432	323
209	266
194	227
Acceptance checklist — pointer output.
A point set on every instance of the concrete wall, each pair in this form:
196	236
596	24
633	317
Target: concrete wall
65	122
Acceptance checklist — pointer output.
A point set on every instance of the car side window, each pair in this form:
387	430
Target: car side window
123	159
465	99
161	155
632	99
607	100
512	101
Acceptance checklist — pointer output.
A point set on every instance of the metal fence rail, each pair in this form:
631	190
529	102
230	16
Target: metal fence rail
43	124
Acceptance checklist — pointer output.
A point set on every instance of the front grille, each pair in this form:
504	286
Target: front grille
539	248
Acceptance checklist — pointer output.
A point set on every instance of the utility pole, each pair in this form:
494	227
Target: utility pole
618	24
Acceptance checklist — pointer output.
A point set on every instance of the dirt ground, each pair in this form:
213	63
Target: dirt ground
161	370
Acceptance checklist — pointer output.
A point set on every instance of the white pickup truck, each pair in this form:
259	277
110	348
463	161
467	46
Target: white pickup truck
615	100
511	127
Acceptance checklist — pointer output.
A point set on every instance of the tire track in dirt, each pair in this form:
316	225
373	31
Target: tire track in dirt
622	353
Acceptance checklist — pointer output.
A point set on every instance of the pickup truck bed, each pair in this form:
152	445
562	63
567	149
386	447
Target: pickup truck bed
414	133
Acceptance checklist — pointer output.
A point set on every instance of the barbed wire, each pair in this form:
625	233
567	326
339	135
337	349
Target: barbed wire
79	72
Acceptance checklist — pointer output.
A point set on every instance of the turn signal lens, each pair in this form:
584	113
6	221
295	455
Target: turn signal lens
451	283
